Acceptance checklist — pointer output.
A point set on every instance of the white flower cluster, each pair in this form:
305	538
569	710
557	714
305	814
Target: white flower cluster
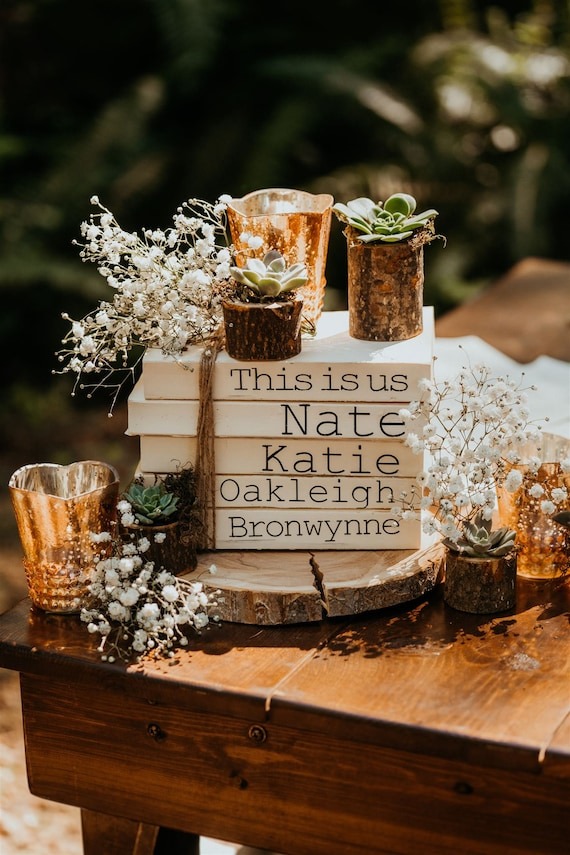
139	609
472	430
164	285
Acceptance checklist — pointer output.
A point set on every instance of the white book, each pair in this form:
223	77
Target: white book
333	366
268	456
310	529
297	492
279	419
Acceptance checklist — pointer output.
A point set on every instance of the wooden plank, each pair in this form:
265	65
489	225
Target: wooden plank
557	753
276	786
231	667
488	689
265	589
118	836
356	582
331	367
266	455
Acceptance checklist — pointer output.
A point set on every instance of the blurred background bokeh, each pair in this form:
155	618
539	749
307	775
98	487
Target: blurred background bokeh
465	104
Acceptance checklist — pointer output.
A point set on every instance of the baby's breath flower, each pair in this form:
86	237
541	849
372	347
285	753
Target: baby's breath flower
174	275
473	428
513	480
138	610
536	491
170	593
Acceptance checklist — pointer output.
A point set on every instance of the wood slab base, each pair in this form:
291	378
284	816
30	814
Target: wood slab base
271	588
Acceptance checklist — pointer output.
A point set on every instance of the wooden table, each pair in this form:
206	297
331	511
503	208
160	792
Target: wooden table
418	729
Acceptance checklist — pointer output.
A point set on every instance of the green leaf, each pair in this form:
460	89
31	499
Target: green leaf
394	238
370	238
269	286
256	265
400	203
291	284
362	207
361	226
351	218
275	261
252	277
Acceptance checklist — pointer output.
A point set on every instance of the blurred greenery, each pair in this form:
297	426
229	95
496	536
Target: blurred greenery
464	104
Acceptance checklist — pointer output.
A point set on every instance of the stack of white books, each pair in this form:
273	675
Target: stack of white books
309	452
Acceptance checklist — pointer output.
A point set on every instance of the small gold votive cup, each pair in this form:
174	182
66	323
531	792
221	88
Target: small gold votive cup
295	223
543	545
57	510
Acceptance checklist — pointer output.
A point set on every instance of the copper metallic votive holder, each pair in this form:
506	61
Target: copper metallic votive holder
295	223
543	546
57	508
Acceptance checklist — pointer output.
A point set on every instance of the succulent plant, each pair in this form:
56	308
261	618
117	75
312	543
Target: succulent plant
152	505
270	277
393	221
478	541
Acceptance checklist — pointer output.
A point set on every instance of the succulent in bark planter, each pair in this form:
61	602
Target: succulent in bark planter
481	569
162	513
263	320
385	245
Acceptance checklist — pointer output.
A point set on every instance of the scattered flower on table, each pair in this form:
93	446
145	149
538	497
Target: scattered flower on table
139	609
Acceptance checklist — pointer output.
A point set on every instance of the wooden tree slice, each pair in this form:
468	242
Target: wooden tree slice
264	588
355	582
270	588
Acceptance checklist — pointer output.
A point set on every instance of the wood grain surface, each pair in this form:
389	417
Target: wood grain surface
418	729
291	790
268	588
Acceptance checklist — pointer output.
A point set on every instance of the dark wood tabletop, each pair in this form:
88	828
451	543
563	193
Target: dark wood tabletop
414	729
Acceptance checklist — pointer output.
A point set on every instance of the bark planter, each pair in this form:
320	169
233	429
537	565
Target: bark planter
175	554
480	585
385	286
263	331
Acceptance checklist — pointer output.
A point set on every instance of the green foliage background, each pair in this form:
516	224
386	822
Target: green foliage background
147	102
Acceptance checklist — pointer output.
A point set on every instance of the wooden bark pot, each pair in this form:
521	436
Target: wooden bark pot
480	585
385	286
174	553
263	331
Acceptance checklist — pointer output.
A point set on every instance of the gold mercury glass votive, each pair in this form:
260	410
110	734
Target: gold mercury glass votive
295	223
57	509
543	545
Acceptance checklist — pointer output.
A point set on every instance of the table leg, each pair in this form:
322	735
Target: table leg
112	835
